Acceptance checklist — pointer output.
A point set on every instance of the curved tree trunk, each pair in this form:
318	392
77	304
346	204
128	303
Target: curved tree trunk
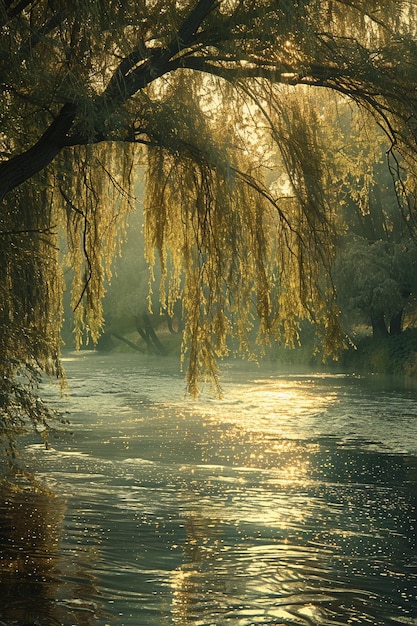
379	327
146	331
396	323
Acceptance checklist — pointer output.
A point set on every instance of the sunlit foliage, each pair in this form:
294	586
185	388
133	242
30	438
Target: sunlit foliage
218	100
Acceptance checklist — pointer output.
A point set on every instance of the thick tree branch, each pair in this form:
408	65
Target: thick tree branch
18	169
192	23
130	77
143	66
317	76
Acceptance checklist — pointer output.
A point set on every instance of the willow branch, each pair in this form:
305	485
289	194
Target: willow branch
16	170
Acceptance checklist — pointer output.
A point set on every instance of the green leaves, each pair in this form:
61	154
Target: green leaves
246	173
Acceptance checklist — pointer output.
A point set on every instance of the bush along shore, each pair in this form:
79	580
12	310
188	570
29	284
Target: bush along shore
392	355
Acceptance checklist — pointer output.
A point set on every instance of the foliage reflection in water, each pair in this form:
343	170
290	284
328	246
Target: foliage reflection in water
290	501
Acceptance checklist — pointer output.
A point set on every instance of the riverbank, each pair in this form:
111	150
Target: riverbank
393	355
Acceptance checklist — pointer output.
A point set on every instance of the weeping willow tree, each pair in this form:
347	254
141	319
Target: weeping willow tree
211	96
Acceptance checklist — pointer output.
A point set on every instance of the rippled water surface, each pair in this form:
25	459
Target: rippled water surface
290	501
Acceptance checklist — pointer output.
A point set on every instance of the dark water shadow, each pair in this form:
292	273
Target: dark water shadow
37	586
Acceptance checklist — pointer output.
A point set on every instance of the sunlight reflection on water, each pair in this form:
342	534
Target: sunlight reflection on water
290	501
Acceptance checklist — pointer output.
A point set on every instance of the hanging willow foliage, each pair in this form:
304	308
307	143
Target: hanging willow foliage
228	247
97	197
242	194
30	308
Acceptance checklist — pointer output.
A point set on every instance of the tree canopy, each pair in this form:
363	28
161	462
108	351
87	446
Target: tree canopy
216	99
377	252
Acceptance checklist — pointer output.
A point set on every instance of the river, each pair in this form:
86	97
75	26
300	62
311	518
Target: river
290	501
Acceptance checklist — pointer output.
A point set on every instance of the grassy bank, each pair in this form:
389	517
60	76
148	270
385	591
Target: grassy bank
392	355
